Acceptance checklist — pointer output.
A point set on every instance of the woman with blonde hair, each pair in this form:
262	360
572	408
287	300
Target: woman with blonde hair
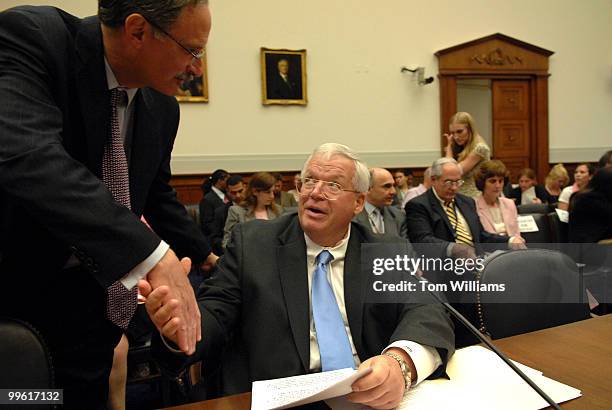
258	203
465	145
555	181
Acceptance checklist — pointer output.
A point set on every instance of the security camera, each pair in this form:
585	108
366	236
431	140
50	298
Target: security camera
420	72
426	81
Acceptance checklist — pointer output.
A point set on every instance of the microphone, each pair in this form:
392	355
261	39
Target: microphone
490	345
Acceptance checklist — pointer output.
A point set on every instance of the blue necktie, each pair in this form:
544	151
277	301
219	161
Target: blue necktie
334	345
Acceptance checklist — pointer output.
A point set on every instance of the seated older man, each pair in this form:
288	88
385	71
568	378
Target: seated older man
290	295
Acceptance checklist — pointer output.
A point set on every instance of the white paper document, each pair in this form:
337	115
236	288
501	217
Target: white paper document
527	223
478	380
297	390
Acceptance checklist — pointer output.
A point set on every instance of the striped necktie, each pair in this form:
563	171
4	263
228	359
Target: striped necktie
462	235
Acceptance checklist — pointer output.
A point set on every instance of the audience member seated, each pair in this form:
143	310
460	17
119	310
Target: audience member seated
528	192
294	192
497	214
403	182
582	176
214	197
555	181
235	193
590	218
282	198
467	147
443	223
606	160
273	274
418	190
379	215
258	203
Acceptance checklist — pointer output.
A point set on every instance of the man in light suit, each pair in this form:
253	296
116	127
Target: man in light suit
268	275
378	213
57	75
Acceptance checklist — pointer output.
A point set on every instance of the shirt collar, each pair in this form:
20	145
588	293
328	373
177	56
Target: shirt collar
338	251
219	193
371	208
442	202
112	82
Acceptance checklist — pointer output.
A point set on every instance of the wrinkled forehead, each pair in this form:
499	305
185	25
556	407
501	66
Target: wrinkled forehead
336	168
450	171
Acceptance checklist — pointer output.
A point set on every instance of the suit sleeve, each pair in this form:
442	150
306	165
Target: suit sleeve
36	171
420	229
233	217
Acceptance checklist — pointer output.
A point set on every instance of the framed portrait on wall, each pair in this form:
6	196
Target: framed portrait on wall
283	76
195	89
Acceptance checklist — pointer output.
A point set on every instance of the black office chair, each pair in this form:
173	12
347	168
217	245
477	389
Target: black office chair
25	362
542	291
534	208
543	235
558	230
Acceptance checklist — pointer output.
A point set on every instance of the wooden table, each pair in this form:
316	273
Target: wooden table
578	354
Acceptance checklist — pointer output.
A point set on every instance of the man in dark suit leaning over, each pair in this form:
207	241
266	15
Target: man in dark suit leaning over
273	272
88	123
378	213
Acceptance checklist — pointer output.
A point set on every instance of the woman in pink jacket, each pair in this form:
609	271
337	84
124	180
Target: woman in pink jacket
497	214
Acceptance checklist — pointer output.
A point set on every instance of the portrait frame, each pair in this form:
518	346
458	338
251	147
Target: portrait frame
290	89
185	92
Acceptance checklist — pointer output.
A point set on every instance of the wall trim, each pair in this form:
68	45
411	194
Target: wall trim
206	164
573	155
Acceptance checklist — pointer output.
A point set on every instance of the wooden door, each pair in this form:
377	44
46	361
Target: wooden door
511	124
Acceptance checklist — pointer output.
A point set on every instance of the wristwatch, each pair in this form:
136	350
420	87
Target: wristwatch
403	367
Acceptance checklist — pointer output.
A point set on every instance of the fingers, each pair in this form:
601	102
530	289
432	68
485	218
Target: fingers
144	288
381	389
186	263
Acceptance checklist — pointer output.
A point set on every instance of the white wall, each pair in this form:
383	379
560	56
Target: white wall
356	92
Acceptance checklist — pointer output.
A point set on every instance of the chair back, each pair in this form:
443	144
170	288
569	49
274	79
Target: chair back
558	230
543	235
543	289
25	362
534	208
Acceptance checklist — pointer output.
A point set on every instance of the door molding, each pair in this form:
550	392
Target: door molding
497	57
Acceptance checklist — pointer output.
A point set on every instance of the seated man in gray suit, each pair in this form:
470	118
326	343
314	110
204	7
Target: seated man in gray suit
378	214
268	297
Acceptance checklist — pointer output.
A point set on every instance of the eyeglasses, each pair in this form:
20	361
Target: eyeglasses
330	190
196	54
449	183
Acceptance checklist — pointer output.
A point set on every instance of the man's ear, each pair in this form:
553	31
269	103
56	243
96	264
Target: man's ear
359	203
137	30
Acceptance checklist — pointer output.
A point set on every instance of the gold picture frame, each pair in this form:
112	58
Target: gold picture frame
195	90
283	76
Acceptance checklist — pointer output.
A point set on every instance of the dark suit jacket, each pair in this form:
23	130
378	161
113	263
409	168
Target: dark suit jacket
260	297
283	90
55	118
393	218
590	218
208	205
216	232
428	223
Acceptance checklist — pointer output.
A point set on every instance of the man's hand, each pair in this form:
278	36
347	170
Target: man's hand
178	303
210	262
463	251
384	387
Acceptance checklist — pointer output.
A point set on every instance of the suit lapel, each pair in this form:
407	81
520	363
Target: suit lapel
92	88
437	208
389	221
354	286
468	215
292	270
